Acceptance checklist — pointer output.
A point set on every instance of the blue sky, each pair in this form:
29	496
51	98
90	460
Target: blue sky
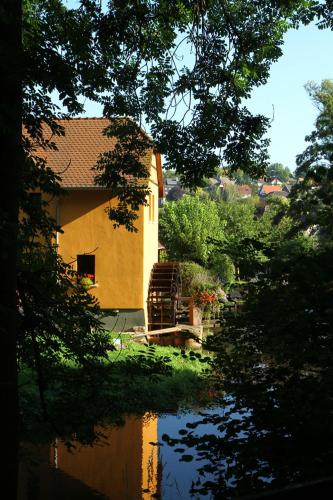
306	56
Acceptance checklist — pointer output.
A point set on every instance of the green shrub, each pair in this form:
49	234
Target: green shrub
195	276
223	266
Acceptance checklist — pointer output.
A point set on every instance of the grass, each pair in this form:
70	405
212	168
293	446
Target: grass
133	380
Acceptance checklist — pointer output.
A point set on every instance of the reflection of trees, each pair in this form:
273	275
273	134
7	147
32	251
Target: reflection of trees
285	438
275	364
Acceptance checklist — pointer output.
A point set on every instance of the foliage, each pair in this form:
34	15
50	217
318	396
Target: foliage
185	226
312	199
227	237
126	57
193	275
57	319
175	193
134	380
229	193
274	363
242	239
275	359
103	54
319	152
280	171
241	177
223	267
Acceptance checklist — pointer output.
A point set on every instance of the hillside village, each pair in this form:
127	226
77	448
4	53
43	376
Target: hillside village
224	186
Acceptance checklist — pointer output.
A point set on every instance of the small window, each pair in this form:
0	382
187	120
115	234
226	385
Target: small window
86	267
151	207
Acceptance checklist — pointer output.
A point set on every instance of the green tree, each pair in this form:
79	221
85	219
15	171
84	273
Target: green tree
250	240
280	171
319	152
175	193
240	231
223	267
241	177
276	358
312	199
185	227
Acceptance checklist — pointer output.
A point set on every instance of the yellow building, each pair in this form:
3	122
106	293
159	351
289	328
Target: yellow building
119	261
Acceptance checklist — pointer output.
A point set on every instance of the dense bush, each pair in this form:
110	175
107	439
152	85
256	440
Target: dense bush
224	268
194	276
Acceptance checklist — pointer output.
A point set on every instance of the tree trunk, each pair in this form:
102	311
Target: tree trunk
11	160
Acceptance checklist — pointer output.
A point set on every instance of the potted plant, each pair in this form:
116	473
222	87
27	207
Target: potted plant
86	280
207	298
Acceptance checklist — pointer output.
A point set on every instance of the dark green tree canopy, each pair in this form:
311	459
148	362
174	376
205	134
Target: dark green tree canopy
320	150
312	200
180	69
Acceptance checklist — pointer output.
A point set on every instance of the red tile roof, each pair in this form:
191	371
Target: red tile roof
270	188
78	151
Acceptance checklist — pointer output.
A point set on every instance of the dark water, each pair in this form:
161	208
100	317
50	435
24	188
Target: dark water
206	453
128	462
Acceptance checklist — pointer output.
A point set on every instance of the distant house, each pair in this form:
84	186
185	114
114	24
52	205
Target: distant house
170	184
120	262
225	181
244	191
275	181
268	189
261	181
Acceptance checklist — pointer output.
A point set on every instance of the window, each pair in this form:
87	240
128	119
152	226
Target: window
86	267
151	207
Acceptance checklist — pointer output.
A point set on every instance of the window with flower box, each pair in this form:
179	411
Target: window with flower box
86	267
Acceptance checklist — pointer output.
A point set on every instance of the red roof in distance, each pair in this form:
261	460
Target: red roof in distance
270	188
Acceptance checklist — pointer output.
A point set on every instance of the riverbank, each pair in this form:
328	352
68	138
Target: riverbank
132	380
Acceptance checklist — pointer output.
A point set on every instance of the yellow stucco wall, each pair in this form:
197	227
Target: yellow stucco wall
150	240
118	253
149	457
123	260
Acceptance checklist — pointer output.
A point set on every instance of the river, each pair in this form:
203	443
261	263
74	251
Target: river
132	461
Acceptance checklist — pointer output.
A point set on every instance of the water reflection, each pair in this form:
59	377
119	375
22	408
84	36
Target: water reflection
178	475
130	462
125	463
121	465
